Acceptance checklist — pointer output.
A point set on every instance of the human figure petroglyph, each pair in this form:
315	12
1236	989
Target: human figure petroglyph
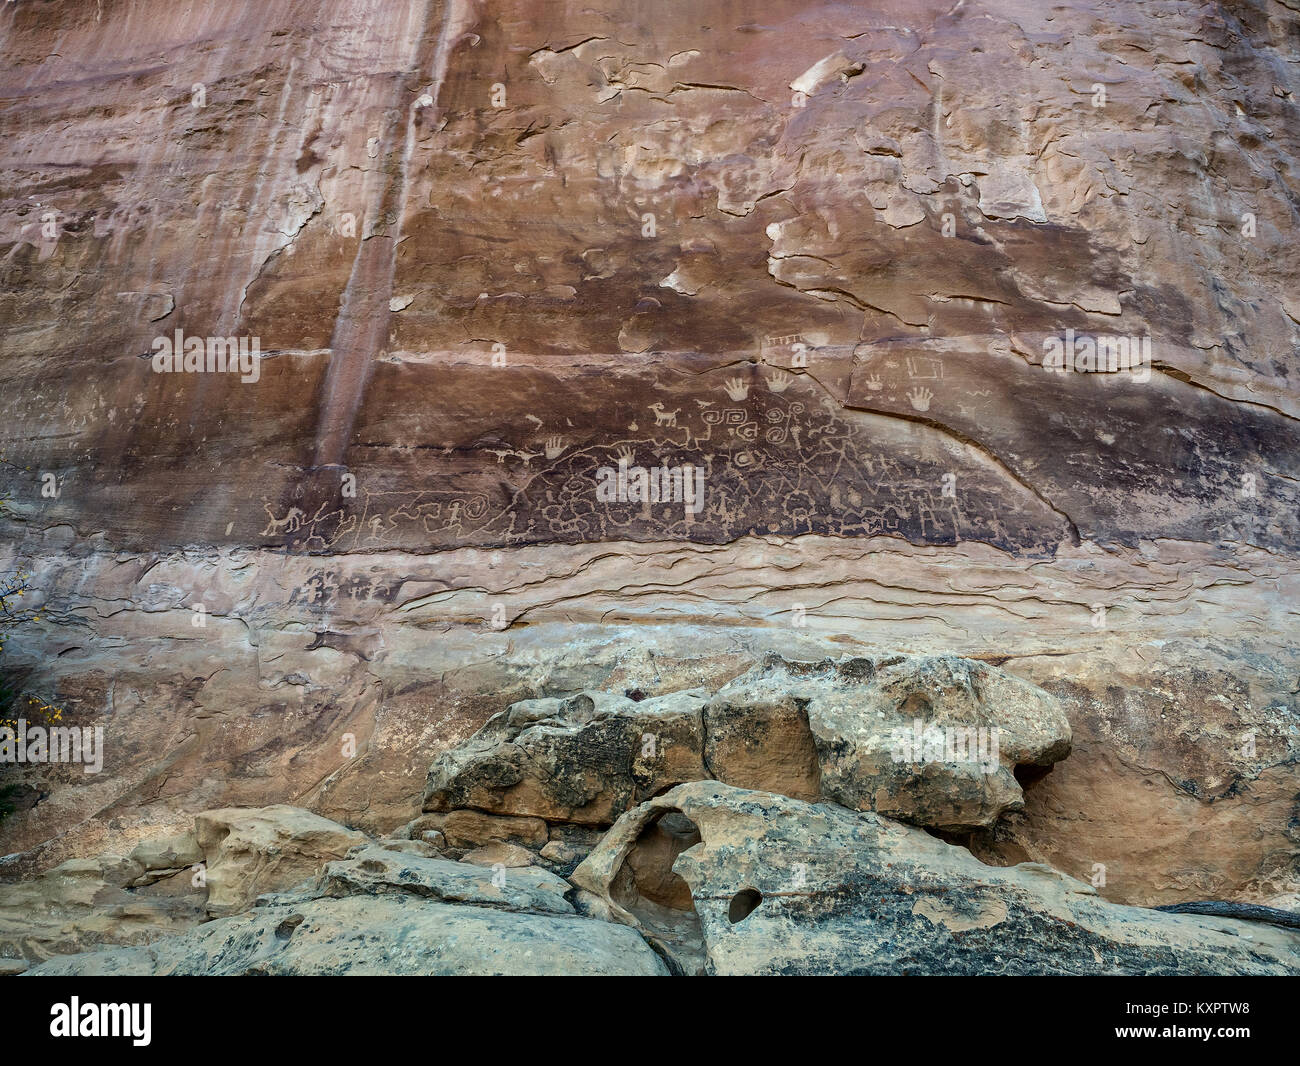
389	514
785	341
326	528
785	460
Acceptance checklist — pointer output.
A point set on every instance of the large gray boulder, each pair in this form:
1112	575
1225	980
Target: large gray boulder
730	881
934	741
402	935
375	870
930	740
584	760
385	911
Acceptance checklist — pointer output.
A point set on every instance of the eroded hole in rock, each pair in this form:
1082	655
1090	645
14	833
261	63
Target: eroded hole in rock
917	705
958	837
647	887
1028	775
286	928
647	873
743	904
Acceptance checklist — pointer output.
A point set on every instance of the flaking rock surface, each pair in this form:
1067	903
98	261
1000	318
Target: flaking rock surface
819	252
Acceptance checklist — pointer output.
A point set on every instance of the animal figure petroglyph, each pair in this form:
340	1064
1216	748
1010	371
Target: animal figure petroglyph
288	524
662	417
501	453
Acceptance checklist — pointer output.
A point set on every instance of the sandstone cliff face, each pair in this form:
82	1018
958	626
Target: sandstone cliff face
819	252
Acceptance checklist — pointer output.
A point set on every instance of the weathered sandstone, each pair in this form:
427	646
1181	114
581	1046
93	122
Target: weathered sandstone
249	852
933	741
821	253
755	883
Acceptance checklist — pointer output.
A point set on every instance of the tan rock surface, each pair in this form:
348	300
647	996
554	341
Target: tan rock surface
936	741
247	852
868	224
769	885
82	904
468	829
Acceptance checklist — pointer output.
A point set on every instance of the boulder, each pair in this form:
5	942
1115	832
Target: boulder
249	851
398	935
585	759
930	740
729	881
83	903
473	829
499	854
373	870
407	847
161	857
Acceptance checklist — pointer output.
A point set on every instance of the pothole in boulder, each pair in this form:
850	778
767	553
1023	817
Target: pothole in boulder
743	904
288	927
917	705
661	901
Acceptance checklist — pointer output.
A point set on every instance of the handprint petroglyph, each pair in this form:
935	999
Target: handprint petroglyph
736	388
920	399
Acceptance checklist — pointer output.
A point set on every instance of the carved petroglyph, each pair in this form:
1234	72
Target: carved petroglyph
916	378
288	524
736	388
523	455
783	459
920	399
662	417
